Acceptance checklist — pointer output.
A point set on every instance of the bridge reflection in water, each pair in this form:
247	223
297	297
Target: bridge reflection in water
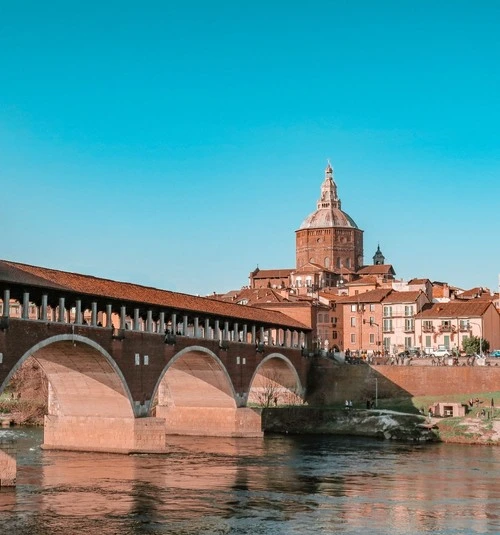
274	485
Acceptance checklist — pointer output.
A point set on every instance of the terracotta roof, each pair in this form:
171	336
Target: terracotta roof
380	269
367	280
256	296
127	292
402	297
418	281
373	296
455	309
271	273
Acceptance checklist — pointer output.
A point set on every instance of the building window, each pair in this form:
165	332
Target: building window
408	310
427	326
353	338
353	321
408	342
428	342
334	335
354	308
387	326
372	308
388	312
409	325
372	338
387	344
372	320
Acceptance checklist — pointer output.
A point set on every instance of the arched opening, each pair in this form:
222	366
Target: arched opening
195	396
275	382
195	378
89	403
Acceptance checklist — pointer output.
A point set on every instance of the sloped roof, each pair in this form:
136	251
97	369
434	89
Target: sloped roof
75	283
271	273
256	296
418	281
378	269
312	266
403	297
455	309
372	296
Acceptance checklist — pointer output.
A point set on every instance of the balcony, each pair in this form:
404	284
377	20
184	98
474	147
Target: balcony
445	328
409	329
427	329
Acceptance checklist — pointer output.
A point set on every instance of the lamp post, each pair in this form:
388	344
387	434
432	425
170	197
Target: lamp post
376	392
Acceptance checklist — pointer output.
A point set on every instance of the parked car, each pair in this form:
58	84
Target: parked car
441	351
495	353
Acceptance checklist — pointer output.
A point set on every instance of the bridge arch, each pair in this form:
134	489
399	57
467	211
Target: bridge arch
84	380
195	377
275	382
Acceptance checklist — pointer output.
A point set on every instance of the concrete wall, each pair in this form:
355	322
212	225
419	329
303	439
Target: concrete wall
8	464
332	383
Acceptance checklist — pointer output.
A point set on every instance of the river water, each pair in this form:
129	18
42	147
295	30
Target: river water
277	485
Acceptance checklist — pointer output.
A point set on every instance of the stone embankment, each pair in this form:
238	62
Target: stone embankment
382	424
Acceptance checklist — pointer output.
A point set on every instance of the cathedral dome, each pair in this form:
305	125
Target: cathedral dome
328	217
328	213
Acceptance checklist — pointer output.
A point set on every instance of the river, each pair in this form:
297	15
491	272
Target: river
277	485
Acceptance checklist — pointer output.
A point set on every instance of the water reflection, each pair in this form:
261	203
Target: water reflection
273	485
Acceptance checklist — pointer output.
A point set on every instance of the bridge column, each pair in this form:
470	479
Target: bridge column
210	421
207	329
8	462
245	334
93	314
25	314
196	326
217	331
136	319
43	312
93	433
109	312
254	334
226	330
6	303
123	317
149	321
261	335
78	312
174	323
161	323
185	325
61	317
236	333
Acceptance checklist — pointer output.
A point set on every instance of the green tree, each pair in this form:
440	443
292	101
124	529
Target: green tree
474	344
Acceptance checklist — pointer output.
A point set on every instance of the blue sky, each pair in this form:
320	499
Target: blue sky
180	144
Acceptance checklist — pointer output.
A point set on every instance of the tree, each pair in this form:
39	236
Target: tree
475	344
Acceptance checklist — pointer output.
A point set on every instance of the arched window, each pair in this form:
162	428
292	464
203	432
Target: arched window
327	262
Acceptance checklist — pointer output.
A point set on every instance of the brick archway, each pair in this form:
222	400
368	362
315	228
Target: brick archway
84	380
275	382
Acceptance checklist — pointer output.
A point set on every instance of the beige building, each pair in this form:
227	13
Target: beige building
449	324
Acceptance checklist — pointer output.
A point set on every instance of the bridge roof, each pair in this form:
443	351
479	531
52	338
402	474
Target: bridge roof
41	278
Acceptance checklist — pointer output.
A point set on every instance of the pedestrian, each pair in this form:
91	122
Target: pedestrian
492	402
346	404
350	404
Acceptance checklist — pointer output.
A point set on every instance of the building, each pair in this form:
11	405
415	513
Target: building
449	324
329	237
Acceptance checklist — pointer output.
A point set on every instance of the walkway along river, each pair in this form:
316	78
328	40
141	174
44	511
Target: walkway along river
276	485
